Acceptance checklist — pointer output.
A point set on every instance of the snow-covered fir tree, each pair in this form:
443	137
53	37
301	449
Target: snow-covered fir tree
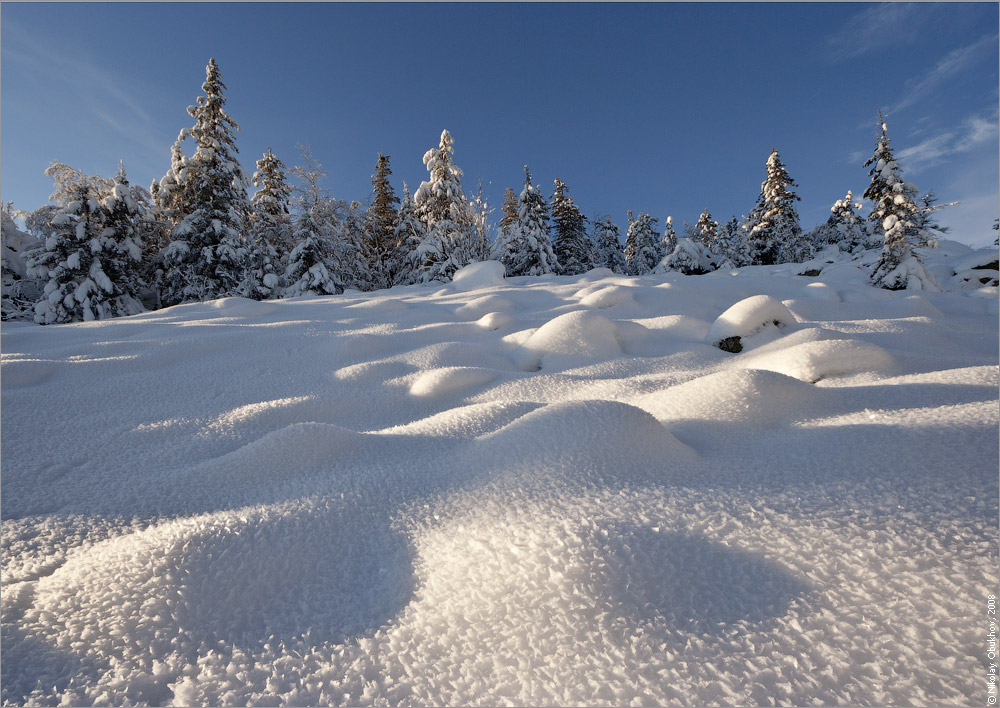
208	194
307	270
707	230
607	245
121	244
350	260
642	252
844	227
571	244
524	247
76	258
482	240
690	256
508	209
732	247
668	242
408	235
774	222
19	291
895	212
443	207
270	218
380	233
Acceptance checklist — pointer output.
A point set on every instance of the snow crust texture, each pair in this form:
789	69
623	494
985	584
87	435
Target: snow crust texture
507	491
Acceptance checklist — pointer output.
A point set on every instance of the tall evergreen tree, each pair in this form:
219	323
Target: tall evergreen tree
408	237
269	216
307	270
669	241
524	247
707	230
379	242
508	208
208	194
572	246
895	211
607	245
774	222
482	242
442	205
642	253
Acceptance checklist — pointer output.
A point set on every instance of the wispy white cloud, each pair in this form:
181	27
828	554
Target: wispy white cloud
949	66
877	27
974	133
87	89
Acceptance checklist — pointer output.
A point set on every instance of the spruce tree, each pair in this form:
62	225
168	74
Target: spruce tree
572	248
77	258
379	241
508	208
208	194
607	245
351	262
307	270
774	222
844	227
408	236
482	243
690	256
122	245
669	241
642	253
442	205
895	211
19	291
524	247
269	216
707	230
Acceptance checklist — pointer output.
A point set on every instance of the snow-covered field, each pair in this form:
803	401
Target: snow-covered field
547	491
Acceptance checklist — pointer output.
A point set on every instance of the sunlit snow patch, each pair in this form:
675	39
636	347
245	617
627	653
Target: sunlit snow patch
812	361
751	396
574	338
479	275
450	379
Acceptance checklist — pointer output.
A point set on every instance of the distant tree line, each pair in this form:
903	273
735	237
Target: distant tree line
106	248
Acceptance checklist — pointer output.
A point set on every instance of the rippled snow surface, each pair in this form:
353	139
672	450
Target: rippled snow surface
533	491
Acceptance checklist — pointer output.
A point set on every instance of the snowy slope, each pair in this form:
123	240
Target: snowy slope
545	491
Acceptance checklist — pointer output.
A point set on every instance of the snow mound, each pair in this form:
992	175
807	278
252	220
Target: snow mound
748	318
755	397
813	361
609	297
484	305
474	276
438	382
571	339
495	320
318	568
589	441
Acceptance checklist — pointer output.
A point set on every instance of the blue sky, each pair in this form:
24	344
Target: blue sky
666	108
